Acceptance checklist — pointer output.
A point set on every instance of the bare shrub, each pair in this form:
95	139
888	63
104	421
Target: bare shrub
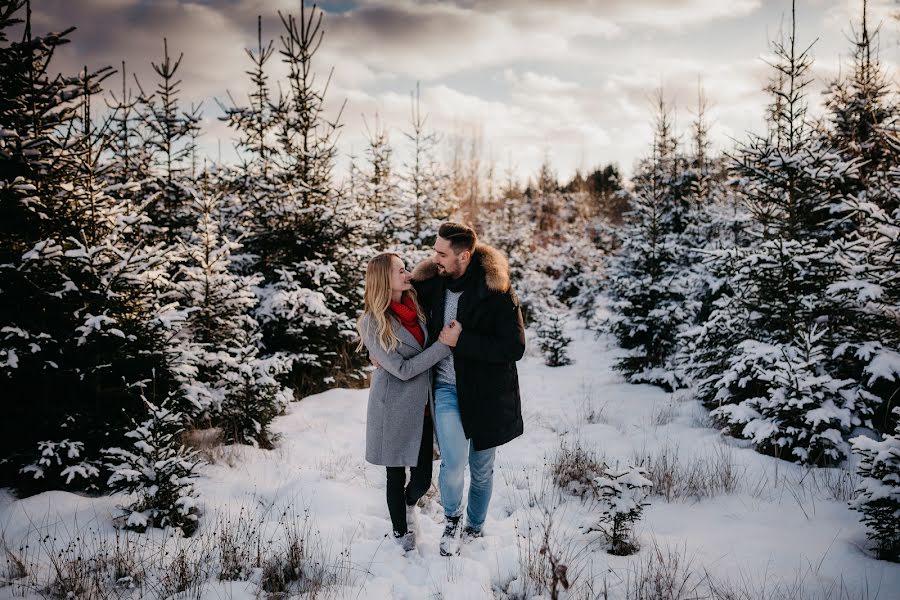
537	488
549	560
17	571
78	568
702	476
125	561
574	468
15	566
670	574
207	442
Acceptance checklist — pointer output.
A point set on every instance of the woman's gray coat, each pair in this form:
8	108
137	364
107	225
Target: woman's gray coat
397	397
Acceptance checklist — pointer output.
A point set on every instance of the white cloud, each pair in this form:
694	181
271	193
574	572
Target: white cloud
572	77
842	13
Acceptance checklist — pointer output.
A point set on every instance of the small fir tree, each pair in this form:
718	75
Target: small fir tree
158	470
622	493
877	495
552	337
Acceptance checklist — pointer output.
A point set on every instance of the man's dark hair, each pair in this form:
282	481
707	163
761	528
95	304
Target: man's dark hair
461	237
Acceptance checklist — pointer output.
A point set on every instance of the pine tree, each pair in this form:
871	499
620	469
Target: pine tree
295	234
863	114
609	199
648	281
222	375
377	189
83	331
252	185
128	162
537	265
168	138
716	222
776	388
424	184
878	492
510	227
256	122
546	201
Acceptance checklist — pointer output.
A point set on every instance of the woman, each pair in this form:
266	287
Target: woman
398	422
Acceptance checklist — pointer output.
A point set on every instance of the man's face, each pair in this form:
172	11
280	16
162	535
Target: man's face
448	262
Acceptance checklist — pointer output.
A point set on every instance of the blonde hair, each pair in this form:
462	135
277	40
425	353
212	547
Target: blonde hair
377	302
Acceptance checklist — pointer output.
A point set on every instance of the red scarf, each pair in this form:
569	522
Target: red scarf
406	312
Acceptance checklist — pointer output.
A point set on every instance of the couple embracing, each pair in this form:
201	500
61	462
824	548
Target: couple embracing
445	340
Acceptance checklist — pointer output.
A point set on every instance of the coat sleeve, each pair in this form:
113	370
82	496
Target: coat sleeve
508	342
394	363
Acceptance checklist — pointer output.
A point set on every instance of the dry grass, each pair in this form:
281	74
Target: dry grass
670	573
301	566
663	574
837	483
663	413
342	467
288	557
702	476
590	408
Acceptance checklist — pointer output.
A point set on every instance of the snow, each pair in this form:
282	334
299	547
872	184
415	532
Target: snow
885	365
778	527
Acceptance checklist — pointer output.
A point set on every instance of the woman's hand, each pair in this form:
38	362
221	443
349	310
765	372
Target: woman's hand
450	333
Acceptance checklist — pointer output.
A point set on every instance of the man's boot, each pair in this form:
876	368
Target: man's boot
471	533
450	539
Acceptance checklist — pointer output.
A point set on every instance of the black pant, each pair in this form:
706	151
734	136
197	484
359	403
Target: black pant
399	494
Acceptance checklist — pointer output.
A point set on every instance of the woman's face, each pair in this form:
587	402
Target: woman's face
400	277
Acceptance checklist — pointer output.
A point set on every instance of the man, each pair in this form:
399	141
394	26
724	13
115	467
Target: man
476	402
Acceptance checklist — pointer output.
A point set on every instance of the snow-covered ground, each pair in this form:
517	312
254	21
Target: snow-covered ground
780	533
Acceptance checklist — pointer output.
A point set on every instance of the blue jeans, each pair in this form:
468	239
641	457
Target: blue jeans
456	450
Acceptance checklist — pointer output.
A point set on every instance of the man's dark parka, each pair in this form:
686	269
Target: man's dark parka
492	340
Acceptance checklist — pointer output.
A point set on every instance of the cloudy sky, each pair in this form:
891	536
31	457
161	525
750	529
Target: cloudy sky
571	79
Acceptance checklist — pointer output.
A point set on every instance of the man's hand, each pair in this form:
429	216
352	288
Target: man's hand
450	333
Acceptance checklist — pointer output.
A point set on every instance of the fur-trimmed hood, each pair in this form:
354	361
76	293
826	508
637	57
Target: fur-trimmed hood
493	262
